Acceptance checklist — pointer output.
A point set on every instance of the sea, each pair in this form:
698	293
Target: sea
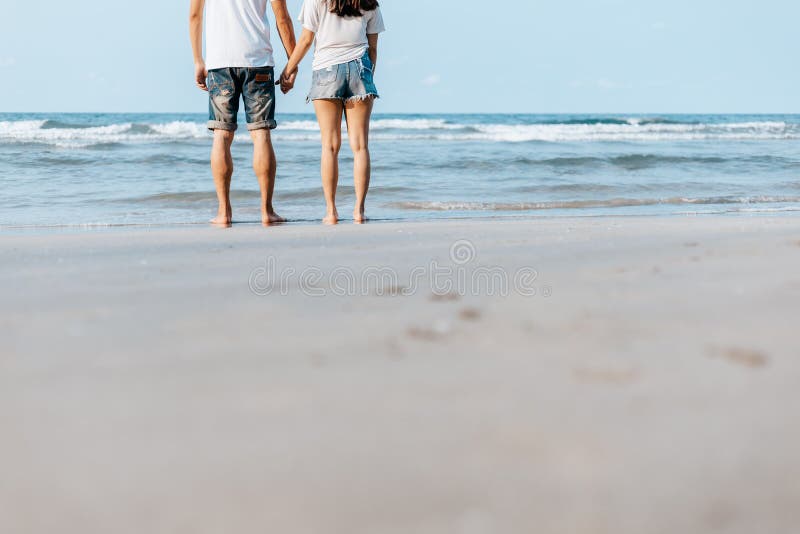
63	171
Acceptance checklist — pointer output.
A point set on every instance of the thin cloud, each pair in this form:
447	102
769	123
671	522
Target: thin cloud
7	62
433	79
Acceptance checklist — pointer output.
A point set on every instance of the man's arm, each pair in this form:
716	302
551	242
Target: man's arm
196	34
285	26
286	30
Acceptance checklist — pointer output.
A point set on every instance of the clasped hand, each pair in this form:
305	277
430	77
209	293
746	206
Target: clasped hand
287	80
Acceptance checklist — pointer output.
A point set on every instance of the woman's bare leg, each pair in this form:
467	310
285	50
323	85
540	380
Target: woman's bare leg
358	114
329	115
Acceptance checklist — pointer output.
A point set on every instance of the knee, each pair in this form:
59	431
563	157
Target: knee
359	144
224	136
332	145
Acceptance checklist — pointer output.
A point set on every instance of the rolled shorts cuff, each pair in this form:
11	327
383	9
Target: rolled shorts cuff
262	125
219	125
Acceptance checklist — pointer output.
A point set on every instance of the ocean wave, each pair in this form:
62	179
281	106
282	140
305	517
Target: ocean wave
69	135
183	198
587	204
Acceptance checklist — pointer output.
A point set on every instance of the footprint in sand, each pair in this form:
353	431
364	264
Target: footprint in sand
604	375
469	314
436	332
447	297
746	357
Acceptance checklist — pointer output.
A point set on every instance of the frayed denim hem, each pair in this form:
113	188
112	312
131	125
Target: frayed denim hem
357	98
362	98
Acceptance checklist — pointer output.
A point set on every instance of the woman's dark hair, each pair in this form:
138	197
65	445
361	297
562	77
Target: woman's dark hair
352	8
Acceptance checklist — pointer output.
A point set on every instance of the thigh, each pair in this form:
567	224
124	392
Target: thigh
329	116
359	113
258	92
223	100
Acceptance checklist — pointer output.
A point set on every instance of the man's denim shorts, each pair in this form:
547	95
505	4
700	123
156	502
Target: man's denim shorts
255	85
346	82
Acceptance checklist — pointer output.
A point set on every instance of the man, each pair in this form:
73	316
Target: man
240	64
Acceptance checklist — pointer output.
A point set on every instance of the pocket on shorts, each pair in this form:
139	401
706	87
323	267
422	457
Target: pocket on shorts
260	84
325	77
220	84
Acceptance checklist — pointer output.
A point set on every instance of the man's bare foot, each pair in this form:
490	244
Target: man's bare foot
223	219
359	217
331	218
270	218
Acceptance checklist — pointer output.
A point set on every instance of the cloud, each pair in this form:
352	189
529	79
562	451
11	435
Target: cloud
658	26
433	79
7	62
93	76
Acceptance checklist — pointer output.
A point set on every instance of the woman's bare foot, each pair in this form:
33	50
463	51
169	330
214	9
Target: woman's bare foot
270	218
331	218
359	217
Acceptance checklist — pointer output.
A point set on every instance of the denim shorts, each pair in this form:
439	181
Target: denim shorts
255	85
347	81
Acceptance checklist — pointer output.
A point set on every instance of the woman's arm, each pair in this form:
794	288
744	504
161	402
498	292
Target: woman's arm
300	51
373	49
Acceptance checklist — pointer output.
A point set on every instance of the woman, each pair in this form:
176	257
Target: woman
346	33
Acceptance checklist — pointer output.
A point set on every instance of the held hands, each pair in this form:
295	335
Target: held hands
287	79
200	75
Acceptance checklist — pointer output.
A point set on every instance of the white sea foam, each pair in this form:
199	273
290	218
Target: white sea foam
599	203
35	132
632	130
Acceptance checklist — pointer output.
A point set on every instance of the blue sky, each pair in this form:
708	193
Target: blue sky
615	56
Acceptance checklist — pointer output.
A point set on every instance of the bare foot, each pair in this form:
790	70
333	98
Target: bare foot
270	218
223	219
359	217
331	218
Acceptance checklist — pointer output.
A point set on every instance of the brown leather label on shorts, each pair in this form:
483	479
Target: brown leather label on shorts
263	78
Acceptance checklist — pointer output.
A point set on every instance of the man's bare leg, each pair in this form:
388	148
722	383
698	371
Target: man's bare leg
358	114
265	167
222	170
329	116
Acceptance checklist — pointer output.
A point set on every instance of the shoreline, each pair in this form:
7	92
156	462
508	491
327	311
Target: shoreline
82	228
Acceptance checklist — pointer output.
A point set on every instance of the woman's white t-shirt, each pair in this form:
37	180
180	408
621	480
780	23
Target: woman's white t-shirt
338	39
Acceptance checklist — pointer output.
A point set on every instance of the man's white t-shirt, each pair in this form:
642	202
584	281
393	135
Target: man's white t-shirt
237	34
338	39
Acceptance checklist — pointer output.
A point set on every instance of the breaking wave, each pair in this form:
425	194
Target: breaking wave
588	204
73	135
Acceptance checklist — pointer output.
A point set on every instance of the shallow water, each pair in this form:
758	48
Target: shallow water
127	169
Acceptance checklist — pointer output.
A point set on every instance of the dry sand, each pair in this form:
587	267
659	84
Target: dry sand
652	385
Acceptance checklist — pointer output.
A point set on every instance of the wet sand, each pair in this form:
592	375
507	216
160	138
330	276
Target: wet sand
148	384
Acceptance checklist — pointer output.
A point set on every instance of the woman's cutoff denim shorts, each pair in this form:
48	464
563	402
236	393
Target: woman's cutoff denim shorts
347	82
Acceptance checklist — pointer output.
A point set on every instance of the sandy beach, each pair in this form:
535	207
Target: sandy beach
634	375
